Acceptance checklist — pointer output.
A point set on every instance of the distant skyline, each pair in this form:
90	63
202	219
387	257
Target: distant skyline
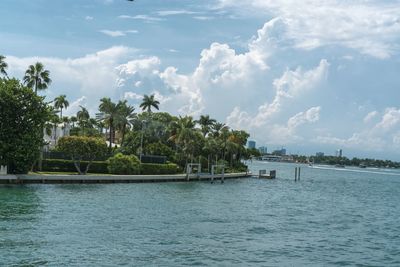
307	75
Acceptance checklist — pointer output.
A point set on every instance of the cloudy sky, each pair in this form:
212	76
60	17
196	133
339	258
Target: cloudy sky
311	75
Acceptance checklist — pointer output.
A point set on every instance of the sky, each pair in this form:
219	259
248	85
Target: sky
310	76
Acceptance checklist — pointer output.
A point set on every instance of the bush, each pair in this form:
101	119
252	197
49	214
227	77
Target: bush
60	165
124	164
151	168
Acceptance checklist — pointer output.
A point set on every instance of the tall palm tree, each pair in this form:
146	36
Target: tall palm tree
125	116
83	118
110	110
149	102
36	77
206	124
3	66
61	102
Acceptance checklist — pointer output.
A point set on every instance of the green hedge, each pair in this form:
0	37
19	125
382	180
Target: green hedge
152	168
59	165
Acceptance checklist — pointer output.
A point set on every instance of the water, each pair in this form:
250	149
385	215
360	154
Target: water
332	217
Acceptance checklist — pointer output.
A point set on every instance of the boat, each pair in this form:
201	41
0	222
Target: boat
362	166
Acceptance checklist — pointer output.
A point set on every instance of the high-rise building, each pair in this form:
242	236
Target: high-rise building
263	150
319	154
338	153
251	144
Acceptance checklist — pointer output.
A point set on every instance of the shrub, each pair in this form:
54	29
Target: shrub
124	164
151	168
60	165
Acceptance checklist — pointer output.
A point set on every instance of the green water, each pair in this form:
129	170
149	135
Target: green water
332	217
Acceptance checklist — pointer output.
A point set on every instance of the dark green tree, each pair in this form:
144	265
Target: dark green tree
23	117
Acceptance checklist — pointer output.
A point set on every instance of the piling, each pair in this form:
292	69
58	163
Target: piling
298	178
295	174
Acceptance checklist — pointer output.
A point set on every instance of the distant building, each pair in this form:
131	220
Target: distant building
251	144
263	150
338	153
99	116
319	154
279	152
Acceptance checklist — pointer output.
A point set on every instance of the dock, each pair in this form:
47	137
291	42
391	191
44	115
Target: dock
103	179
262	174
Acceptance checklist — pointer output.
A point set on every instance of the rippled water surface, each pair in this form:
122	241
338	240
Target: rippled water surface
332	217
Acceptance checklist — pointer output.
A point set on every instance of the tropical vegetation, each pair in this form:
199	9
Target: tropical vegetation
146	134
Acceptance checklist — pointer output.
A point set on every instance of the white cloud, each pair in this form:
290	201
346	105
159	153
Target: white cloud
383	136
175	12
74	106
370	27
113	33
203	17
370	116
89	18
133	96
117	33
141	17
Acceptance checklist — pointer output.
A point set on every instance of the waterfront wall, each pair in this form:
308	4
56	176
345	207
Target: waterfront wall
57	179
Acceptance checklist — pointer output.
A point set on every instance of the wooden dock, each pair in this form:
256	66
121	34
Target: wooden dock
100	179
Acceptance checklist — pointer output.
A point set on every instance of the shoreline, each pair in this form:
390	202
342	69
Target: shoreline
106	179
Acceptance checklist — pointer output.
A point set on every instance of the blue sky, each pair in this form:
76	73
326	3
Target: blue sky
310	76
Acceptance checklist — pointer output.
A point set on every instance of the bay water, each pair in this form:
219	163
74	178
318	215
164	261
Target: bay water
331	217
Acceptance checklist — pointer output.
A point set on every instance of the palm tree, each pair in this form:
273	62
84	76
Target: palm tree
83	117
206	123
61	102
125	116
3	66
218	128
36	77
183	133
110	110
148	102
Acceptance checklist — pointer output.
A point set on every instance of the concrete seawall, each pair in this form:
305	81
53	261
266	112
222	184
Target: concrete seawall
92	179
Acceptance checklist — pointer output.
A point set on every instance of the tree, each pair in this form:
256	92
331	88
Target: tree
3	66
23	117
148	102
184	135
83	118
124	117
80	148
110	110
206	124
61	102
36	77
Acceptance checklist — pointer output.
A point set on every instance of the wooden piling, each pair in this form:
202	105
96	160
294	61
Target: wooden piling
295	174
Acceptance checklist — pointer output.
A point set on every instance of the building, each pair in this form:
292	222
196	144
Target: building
55	133
319	154
279	152
338	153
263	150
251	144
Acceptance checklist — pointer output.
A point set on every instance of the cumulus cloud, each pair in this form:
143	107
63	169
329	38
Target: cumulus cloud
371	27
290	85
383	136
